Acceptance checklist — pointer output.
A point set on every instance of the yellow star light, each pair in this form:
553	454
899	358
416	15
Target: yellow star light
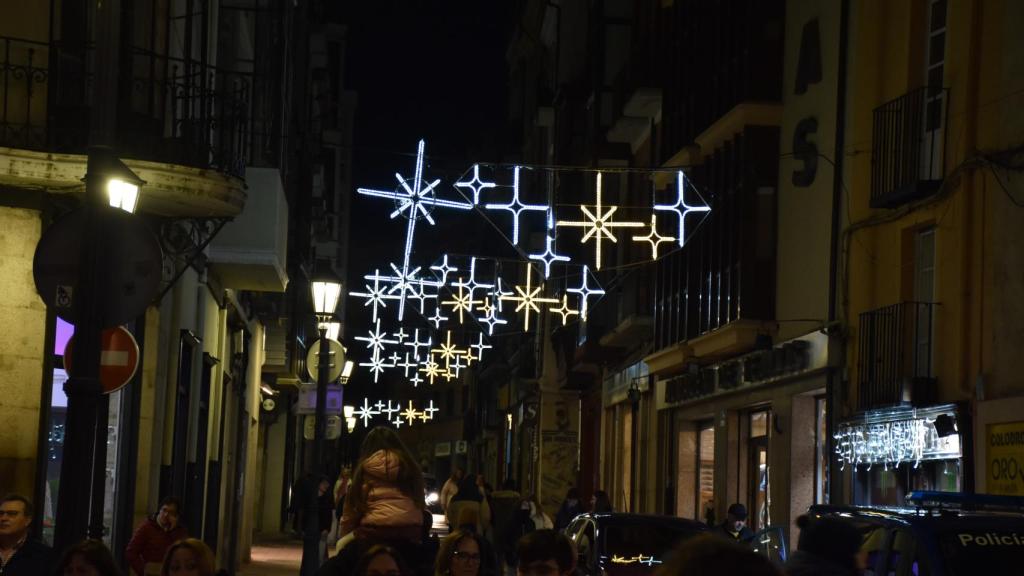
432	369
528	298
598	224
410	414
448	350
461	302
654	238
564	311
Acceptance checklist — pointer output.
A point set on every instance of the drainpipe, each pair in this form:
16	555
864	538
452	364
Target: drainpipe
834	489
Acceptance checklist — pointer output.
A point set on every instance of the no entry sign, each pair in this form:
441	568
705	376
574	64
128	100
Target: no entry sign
119	358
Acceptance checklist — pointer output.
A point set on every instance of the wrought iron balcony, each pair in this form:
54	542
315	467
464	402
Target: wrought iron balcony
895	355
169	109
909	136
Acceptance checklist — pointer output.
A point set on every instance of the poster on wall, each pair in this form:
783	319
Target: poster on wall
1005	458
559	450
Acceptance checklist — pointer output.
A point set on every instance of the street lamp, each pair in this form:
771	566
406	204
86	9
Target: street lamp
326	291
333	329
346	371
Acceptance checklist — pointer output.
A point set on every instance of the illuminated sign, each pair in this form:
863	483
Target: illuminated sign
638	559
894	437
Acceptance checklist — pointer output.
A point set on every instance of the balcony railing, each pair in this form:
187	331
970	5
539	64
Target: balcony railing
169	109
909	144
895	355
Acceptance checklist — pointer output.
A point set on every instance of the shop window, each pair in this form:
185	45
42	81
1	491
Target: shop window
705	481
758	469
820	451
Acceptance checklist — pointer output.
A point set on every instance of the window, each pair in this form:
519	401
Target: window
758	472
626	452
820	451
706	472
935	62
924	295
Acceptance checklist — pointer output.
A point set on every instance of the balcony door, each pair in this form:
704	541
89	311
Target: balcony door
935	96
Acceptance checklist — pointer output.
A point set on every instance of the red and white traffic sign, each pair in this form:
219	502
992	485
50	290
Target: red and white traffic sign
119	358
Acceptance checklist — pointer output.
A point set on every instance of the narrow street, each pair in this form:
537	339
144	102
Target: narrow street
274	558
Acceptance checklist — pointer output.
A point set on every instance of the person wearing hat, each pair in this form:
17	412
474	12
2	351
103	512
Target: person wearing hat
735	525
826	547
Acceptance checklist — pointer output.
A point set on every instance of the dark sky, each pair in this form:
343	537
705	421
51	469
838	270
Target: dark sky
422	69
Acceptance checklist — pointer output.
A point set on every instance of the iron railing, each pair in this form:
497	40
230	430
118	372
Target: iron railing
895	356
909	136
169	109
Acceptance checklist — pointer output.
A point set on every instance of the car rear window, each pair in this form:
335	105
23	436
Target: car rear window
643	544
975	552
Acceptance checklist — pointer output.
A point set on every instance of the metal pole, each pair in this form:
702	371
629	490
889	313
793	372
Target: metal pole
311	527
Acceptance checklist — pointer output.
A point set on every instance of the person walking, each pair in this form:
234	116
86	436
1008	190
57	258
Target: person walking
189	557
506	522
451	487
385	499
152	539
600	503
826	547
20	555
536	518
469	499
88	558
735	526
569	509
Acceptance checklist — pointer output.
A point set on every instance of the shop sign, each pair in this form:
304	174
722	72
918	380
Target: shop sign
1004	454
443	449
786	360
893	437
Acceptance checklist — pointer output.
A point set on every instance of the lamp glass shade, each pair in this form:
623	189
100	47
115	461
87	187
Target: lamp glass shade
333	329
346	370
123	194
325	296
349	411
351	421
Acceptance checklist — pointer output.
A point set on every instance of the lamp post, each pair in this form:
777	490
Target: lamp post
109	186
326	291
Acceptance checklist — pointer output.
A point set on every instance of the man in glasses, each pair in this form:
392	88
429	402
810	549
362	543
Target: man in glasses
545	553
19	554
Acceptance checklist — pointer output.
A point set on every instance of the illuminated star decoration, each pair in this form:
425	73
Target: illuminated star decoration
376	365
491	316
564	311
415	343
397	422
375	339
413	203
461	301
528	298
437	318
422	294
681	208
411	414
407	365
472	284
375	295
548	255
444	269
395	414
428	412
447	351
366	412
653	237
476	184
598	224
480	346
516	206
457	364
432	369
416	380
499	293
585	292
391	409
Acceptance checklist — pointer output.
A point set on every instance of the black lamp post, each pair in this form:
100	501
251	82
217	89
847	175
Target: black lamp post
326	291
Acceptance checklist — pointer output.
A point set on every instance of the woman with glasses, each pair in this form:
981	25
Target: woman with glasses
462	554
381	560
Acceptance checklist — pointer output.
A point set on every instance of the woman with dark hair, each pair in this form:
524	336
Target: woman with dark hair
463	553
826	547
189	557
600	503
381	560
707	554
570	509
88	558
152	539
385	498
469	502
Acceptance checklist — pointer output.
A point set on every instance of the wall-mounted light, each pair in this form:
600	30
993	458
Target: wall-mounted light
346	371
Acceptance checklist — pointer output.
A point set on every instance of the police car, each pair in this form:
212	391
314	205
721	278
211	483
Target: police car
939	534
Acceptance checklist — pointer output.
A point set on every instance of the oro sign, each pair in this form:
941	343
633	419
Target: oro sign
119	358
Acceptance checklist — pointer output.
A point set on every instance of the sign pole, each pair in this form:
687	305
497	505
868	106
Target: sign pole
311	530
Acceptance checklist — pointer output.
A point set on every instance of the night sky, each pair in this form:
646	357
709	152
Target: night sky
434	70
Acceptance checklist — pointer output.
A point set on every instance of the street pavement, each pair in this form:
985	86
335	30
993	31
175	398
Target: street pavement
274	558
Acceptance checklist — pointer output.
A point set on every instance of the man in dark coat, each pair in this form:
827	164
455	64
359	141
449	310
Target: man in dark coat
735	526
154	537
20	555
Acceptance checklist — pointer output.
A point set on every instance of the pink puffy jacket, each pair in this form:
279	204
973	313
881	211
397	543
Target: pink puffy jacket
389	513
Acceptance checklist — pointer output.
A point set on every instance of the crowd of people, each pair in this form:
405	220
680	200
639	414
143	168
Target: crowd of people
377	521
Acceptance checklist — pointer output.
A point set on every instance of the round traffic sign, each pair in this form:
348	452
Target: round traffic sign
337	360
119	358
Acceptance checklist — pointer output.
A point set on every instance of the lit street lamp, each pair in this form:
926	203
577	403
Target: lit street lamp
326	291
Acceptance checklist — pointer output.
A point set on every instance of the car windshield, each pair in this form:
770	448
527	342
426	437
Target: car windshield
634	545
970	552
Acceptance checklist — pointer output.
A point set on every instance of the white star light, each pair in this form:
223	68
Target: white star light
491	317
585	292
391	409
428	412
564	310
516	207
472	284
529	298
681	208
599	224
397	422
476	184
375	340
375	295
366	412
416	379
653	237
457	364
376	365
499	293
480	346
437	318
413	202
461	302
406	365
444	269
548	255
416	344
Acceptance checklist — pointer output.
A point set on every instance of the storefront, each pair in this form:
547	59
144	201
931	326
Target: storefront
751	430
890	453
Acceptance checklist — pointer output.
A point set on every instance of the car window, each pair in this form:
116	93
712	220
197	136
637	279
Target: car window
585	543
904	557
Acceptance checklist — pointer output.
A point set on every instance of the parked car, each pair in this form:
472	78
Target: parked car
627	544
939	534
